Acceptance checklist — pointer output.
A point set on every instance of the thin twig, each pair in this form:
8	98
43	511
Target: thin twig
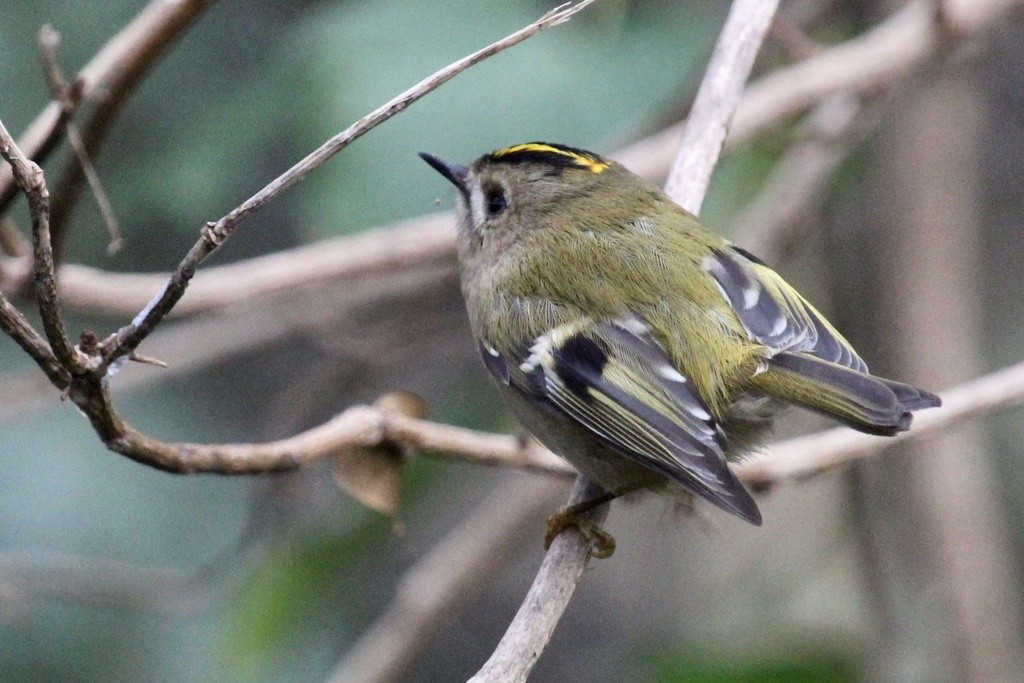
786	461
49	41
891	50
213	235
109	76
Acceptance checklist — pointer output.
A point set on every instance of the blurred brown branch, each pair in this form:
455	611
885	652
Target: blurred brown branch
107	79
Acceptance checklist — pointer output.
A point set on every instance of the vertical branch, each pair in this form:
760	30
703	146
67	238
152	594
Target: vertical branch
717	100
745	27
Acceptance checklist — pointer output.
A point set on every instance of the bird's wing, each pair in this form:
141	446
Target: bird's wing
775	314
615	380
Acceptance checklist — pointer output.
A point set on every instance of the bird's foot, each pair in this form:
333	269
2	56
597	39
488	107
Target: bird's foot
602	544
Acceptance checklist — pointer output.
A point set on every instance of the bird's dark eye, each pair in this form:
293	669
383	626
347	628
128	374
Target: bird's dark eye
495	202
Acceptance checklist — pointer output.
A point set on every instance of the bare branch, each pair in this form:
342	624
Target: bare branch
29	178
358	426
717	99
215	234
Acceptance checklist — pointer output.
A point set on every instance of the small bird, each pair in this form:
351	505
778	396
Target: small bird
636	343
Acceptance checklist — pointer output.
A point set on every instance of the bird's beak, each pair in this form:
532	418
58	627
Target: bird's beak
453	172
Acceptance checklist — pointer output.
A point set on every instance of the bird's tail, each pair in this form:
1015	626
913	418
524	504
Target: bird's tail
866	403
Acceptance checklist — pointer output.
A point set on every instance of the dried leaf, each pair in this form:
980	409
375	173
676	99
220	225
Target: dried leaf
373	476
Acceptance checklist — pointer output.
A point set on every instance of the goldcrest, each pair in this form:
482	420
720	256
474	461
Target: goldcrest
633	341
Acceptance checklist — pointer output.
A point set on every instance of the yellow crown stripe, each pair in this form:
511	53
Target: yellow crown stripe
594	165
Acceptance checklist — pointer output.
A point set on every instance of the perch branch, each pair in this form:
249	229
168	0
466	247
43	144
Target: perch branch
531	629
540	612
458	567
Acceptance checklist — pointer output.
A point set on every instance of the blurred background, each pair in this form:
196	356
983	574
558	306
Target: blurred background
904	568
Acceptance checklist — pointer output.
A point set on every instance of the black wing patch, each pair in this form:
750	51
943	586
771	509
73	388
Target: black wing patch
577	361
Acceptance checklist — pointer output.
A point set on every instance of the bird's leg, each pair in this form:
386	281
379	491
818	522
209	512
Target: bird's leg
572	516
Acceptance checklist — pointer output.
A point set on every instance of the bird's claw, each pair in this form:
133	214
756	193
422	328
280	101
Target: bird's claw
602	544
